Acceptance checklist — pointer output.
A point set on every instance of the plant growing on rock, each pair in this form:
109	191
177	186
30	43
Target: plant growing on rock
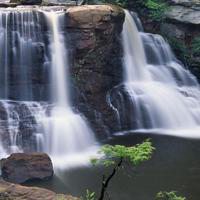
156	9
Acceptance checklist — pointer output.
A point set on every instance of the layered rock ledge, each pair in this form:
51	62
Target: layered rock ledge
9	191
184	11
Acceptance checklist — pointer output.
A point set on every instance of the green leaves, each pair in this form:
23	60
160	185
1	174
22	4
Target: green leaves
169	196
89	195
135	154
157	8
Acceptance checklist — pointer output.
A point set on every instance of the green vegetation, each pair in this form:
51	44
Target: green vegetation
156	9
169	196
180	48
151	8
89	196
196	46
117	156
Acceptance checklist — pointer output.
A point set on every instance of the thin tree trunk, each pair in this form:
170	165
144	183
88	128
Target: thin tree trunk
107	180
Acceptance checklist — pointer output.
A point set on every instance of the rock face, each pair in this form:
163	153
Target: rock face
17	192
21	167
94	39
185	14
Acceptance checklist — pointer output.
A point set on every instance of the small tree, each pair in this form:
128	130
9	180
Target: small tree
117	156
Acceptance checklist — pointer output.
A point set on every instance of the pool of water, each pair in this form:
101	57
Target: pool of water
175	165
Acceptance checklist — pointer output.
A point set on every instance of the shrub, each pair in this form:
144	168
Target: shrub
169	196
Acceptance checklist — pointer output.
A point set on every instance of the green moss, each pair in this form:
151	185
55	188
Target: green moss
169	196
196	46
156	9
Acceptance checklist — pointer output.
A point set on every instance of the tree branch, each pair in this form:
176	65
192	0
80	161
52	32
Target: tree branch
106	181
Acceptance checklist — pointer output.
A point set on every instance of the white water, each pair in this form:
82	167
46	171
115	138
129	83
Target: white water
27	125
68	137
164	93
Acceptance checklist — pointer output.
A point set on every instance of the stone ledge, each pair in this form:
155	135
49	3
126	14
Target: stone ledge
9	191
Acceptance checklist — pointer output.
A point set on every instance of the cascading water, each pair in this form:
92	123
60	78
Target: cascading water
162	94
34	46
68	135
20	41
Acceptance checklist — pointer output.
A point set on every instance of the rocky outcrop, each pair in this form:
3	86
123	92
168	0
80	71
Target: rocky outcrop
10	191
185	12
94	38
21	167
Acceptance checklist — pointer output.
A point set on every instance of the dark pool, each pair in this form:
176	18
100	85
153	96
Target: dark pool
175	165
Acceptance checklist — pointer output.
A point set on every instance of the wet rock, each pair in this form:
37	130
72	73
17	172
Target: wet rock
95	36
186	2
17	192
21	167
26	2
184	14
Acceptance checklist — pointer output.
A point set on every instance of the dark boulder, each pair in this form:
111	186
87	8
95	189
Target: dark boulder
21	167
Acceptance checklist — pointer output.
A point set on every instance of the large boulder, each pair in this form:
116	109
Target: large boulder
21	167
10	191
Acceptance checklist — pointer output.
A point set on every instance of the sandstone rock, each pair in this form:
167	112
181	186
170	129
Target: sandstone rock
10	191
21	167
93	16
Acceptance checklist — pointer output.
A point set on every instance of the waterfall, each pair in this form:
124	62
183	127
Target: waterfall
158	93
36	112
68	135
